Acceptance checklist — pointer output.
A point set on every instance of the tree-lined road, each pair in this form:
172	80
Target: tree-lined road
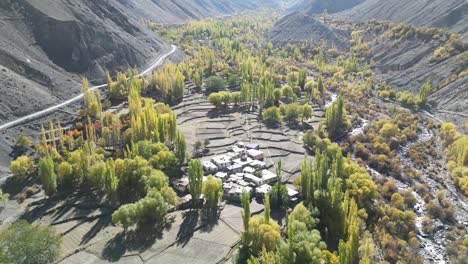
48	110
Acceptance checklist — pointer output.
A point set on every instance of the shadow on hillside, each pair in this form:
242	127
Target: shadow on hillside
140	239
188	226
98	227
209	218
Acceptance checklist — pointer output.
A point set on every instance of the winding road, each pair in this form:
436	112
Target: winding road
48	110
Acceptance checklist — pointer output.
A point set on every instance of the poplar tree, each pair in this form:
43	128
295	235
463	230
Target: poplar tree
180	147
195	174
245	201
47	175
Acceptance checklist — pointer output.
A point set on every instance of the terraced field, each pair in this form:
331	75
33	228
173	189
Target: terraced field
199	120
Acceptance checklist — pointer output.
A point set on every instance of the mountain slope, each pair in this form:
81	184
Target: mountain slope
319	6
452	14
47	45
300	27
178	11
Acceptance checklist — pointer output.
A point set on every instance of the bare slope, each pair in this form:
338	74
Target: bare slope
319	6
300	27
452	14
47	45
178	11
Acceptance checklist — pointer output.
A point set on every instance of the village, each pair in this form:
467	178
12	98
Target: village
241	169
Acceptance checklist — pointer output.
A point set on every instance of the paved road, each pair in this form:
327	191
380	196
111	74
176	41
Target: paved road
41	113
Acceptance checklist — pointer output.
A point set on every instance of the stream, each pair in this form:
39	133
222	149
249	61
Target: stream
432	248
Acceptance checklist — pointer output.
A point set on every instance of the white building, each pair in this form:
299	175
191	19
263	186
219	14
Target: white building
222	161
268	176
235	168
243	162
209	167
253	179
233	155
262	190
257	164
181	184
234	192
248	169
221	175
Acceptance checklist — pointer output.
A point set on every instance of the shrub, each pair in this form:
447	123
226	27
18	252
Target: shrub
214	84
272	115
22	167
22	242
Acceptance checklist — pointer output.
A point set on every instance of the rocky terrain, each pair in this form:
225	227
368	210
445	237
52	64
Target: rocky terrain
408	63
319	6
404	63
179	11
47	45
301	27
452	14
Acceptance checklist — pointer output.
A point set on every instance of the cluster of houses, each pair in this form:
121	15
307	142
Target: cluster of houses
241	169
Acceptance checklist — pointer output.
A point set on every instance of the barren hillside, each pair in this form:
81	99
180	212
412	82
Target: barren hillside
47	45
452	14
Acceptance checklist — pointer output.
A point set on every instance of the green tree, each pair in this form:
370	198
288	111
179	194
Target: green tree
23	243
213	191
307	112
197	146
293	112
4	197
335	118
150	210
236	98
215	99
47	175
195	174
277	94
180	147
279	192
272	115
22	167
287	92
302	78
23	141
65	174
245	201
424	93
214	84
321	88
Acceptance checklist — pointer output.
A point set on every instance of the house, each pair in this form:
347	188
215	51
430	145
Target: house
243	161
209	167
235	168
233	155
253	179
293	197
252	146
222	162
240	145
255	154
248	169
181	184
234	193
221	175
257	164
268	176
262	190
236	149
